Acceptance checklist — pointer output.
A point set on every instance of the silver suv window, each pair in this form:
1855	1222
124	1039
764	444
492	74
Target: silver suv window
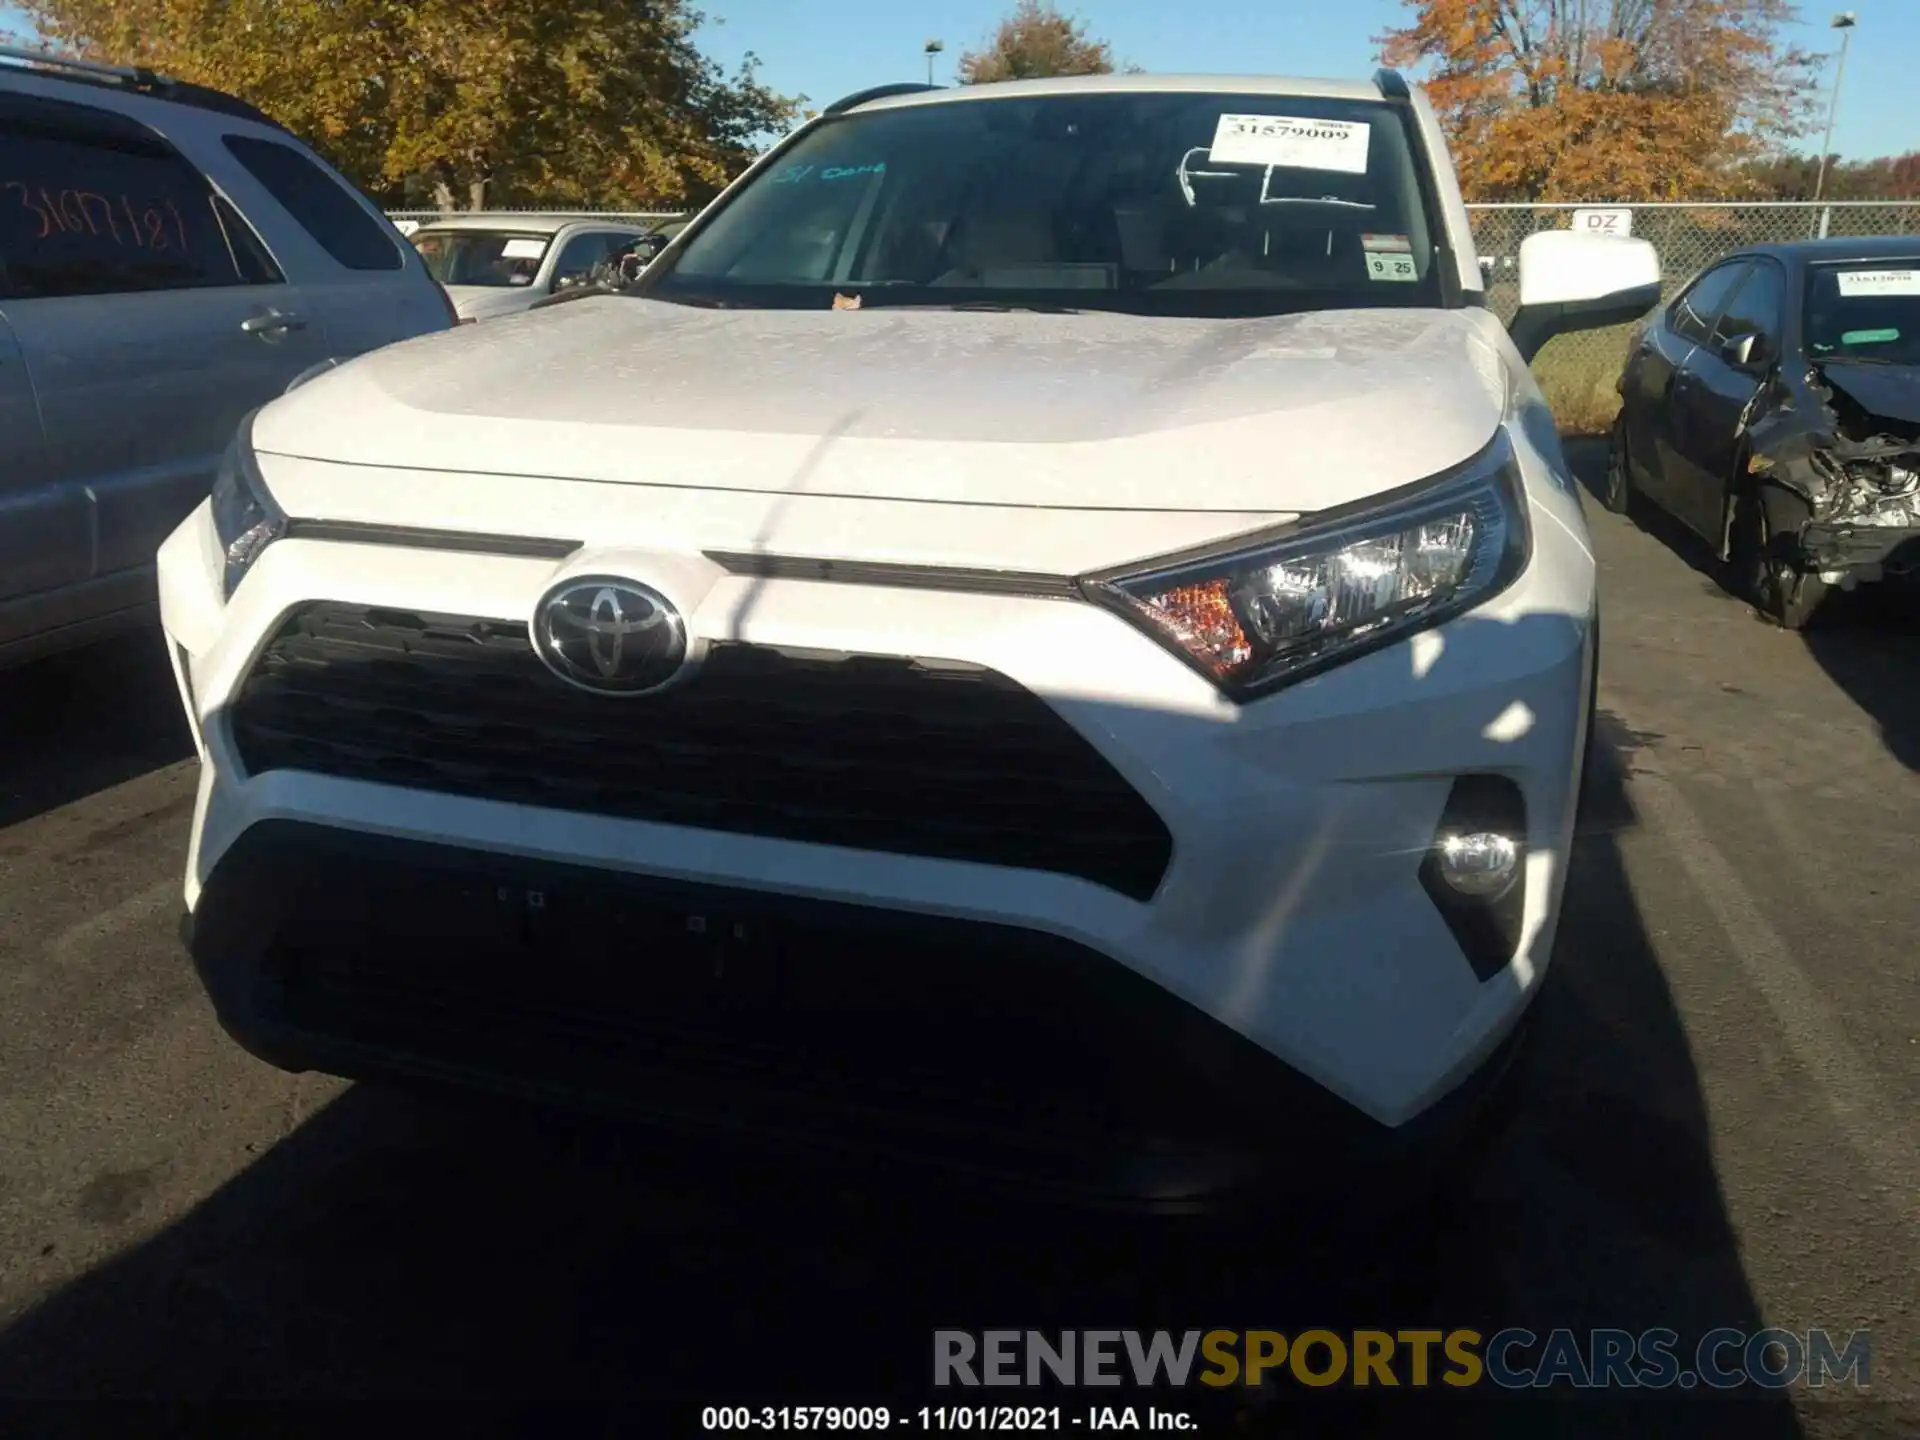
322	206
94	203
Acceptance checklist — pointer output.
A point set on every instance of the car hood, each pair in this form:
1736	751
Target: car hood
1087	411
1891	392
477	301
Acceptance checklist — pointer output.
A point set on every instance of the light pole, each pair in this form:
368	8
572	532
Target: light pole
1844	23
934	47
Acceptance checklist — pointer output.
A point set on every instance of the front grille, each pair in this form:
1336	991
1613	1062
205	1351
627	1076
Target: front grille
789	1015
872	752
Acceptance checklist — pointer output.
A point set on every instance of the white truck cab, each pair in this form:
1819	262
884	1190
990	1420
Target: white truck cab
496	263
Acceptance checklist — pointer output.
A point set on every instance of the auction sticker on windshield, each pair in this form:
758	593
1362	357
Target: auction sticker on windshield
523	249
1291	141
1879	282
1389	257
1389	265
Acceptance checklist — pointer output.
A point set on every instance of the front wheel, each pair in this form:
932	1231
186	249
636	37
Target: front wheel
1769	569
1618	495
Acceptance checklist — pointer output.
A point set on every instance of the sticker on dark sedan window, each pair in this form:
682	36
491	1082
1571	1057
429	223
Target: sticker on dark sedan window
1879	282
1868	337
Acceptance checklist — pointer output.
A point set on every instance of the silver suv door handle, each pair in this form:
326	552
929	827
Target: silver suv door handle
272	321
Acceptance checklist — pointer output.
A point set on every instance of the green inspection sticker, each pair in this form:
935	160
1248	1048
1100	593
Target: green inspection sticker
1869	337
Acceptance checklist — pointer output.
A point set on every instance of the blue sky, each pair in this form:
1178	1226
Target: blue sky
827	48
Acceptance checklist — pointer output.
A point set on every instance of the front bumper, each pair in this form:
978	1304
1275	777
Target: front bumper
1015	1056
1865	552
1291	919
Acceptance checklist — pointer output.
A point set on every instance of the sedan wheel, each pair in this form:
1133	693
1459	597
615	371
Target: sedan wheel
1618	496
1778	588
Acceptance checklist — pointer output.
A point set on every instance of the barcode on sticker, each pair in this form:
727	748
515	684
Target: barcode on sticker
1389	265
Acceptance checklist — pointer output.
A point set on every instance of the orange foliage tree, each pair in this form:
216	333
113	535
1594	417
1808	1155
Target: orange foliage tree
1608	99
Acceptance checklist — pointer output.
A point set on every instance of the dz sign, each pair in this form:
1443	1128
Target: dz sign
1603	222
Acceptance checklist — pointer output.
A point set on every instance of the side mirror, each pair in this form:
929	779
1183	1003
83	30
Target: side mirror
1745	352
1573	281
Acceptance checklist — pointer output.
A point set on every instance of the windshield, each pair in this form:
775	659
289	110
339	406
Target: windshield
1161	203
1864	311
482	257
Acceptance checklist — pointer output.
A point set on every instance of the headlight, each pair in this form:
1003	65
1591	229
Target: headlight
244	515
1276	608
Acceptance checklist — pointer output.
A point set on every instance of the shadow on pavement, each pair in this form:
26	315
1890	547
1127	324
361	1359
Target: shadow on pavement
1587	455
1873	661
1865	641
409	1248
78	723
404	1250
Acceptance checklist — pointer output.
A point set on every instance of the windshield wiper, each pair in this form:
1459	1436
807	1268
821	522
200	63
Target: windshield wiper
996	307
695	299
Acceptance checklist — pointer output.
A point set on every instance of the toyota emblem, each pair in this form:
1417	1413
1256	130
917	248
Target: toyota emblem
616	637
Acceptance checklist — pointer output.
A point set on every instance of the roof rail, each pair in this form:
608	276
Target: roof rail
131	74
878	92
134	77
1393	85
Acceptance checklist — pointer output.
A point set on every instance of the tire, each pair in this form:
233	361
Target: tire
1765	568
1618	496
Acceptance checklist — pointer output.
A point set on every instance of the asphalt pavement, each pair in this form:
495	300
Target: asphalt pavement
1714	1126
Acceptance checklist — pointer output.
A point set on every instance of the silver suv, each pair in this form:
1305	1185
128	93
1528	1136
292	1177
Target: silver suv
170	259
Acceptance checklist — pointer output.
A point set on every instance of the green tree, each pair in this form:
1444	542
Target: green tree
1033	42
492	102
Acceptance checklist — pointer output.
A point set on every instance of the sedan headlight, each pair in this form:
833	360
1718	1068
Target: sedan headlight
244	516
1276	608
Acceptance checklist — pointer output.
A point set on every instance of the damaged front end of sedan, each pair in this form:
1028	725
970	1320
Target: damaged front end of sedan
1840	489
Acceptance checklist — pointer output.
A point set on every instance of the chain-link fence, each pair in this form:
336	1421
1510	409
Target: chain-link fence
1576	371
427	217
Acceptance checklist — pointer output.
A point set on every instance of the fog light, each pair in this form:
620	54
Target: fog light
1475	870
1482	865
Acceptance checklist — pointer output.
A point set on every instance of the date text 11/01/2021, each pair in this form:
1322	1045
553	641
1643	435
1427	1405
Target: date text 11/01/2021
941	1419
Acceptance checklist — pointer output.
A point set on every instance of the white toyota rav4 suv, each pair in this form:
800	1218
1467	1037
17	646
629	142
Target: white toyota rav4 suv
1050	630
